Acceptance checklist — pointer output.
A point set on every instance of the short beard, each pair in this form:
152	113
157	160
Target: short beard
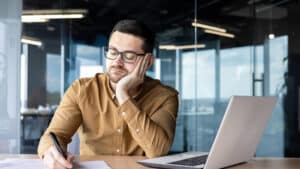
113	78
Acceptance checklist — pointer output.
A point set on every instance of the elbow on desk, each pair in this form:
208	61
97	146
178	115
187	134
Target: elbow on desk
154	154
157	151
160	148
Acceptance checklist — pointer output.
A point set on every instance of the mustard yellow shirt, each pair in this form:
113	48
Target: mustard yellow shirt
143	125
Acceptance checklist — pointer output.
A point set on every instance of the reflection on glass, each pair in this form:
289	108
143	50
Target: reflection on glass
205	74
278	52
274	133
88	60
200	112
53	78
235	72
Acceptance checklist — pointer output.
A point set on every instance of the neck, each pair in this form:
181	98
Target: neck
113	85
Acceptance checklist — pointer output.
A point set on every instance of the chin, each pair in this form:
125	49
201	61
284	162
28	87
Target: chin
115	78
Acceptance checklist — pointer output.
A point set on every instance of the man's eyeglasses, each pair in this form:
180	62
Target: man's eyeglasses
126	56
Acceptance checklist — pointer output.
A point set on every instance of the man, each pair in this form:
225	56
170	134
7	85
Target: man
120	112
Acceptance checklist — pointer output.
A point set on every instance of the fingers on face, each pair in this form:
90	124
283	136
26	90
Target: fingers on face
142	65
138	65
145	64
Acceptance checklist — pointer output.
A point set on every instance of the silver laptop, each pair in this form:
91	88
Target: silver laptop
236	140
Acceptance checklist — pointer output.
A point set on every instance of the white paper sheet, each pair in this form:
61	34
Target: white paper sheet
18	163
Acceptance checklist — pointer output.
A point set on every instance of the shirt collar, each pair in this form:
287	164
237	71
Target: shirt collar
108	87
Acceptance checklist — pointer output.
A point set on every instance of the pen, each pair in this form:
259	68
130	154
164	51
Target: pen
57	145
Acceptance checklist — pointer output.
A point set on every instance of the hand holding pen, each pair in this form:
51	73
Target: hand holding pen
55	157
57	145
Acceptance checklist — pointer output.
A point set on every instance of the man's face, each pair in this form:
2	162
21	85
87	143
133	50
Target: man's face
117	68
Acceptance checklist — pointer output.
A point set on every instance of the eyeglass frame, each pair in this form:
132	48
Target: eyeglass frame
119	53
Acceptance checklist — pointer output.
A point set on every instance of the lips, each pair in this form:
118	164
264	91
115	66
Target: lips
117	70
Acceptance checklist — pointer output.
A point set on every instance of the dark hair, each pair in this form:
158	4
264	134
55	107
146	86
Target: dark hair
138	29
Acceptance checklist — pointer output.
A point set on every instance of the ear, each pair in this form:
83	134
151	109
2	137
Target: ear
151	61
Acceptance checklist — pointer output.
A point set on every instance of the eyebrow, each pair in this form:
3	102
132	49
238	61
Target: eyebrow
127	51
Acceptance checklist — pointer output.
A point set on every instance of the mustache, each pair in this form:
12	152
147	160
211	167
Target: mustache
121	68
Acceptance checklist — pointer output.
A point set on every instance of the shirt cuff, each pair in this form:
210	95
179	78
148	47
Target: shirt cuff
43	148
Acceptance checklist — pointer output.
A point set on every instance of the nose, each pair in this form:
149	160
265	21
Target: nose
119	60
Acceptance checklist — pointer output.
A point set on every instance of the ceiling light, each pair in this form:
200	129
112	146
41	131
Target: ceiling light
174	47
205	26
31	15
229	35
271	36
31	20
51	28
53	16
167	47
31	41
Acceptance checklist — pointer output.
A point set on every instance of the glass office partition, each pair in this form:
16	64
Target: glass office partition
252	60
209	77
53	78
89	60
10	11
198	97
244	65
235	72
277	50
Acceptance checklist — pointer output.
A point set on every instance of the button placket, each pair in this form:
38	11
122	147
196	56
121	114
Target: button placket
119	130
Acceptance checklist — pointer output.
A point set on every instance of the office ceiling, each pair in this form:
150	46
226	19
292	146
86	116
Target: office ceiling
170	17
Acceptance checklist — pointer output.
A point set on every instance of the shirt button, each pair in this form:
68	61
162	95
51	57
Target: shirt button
119	130
118	150
137	130
113	96
123	113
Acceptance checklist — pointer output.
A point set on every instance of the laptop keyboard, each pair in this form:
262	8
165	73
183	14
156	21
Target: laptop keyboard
198	160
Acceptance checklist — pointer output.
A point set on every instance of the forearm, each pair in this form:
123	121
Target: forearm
45	143
122	96
64	125
154	138
65	121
